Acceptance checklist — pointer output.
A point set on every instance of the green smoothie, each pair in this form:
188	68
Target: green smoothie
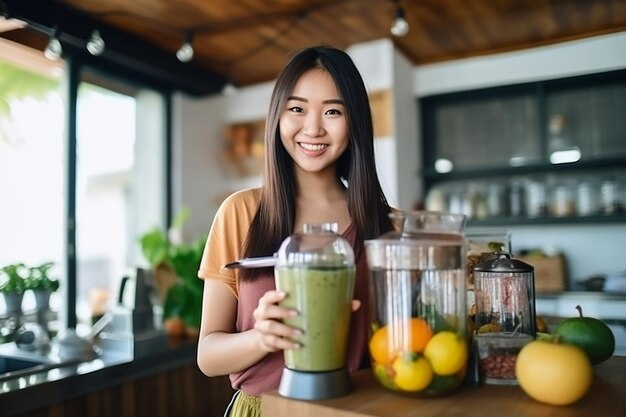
323	297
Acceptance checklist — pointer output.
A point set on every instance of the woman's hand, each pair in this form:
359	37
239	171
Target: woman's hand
273	334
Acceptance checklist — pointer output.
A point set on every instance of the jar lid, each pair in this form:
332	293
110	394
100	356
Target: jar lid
502	262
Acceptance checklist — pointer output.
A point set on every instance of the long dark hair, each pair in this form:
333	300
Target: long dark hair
367	204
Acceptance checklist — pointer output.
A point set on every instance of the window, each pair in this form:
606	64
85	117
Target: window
31	163
112	188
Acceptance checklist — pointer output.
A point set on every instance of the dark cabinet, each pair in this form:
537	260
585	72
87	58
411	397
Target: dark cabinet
540	152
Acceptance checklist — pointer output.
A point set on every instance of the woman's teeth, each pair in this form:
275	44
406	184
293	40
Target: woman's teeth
313	147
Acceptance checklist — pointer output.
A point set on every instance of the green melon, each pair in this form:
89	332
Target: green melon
590	334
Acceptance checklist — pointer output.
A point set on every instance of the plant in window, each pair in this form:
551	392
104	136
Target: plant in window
175	268
42	284
39	279
12	286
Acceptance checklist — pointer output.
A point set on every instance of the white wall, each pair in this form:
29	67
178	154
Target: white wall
201	182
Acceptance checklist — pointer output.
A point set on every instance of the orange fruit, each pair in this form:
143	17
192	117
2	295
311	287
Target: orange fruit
380	345
419	333
409	336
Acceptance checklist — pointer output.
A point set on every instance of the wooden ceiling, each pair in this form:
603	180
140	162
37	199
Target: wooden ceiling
248	41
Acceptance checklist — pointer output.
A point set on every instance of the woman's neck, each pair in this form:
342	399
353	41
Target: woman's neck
319	186
321	199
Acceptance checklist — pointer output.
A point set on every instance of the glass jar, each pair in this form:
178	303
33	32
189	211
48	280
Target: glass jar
586	199
418	336
505	315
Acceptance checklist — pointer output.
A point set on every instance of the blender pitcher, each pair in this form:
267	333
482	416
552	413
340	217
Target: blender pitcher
316	269
418	337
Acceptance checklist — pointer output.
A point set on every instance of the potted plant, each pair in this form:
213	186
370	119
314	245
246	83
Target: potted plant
175	268
13	286
42	285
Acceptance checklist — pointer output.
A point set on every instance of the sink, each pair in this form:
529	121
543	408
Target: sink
11	364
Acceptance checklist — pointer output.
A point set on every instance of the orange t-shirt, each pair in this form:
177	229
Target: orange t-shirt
225	244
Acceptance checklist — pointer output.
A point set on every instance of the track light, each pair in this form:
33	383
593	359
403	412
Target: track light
399	27
54	49
185	52
96	44
229	88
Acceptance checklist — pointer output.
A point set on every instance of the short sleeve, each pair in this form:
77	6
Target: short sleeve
227	236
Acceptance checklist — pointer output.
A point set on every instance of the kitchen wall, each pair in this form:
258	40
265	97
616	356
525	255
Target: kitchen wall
201	180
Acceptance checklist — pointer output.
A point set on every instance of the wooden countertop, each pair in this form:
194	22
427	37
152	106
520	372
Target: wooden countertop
606	398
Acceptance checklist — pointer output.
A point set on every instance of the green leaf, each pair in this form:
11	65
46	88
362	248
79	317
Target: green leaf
180	219
154	246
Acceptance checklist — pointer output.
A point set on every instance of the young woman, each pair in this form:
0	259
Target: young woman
319	168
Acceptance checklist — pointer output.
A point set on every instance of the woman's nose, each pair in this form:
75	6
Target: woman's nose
313	125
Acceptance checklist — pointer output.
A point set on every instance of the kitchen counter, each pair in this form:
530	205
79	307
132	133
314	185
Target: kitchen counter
605	398
23	394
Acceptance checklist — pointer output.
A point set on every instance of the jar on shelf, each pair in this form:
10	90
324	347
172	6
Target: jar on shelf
610	198
562	201
536	201
586	198
418	339
517	199
496	200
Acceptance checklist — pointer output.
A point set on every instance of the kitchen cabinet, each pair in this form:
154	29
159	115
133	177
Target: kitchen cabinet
164	381
182	391
549	151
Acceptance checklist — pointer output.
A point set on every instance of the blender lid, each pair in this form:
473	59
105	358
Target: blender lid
502	262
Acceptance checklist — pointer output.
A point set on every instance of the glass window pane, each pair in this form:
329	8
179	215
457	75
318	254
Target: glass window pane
120	188
32	167
487	133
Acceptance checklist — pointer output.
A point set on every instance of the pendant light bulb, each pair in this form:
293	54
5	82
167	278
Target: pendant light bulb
96	44
229	88
400	26
53	50
185	52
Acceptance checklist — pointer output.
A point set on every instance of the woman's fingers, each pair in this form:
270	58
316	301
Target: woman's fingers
356	304
274	335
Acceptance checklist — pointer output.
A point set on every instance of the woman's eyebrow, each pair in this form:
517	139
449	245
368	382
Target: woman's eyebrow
330	101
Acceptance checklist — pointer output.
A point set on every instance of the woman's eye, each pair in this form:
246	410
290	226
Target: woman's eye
333	112
295	109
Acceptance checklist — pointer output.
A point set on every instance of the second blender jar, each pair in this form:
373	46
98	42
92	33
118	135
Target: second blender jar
418	337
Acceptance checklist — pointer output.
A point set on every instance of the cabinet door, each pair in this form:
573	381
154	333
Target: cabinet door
594	119
485	132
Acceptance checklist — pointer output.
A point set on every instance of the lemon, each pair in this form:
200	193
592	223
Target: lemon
447	353
412	374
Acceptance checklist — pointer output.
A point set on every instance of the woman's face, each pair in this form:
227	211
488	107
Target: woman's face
313	125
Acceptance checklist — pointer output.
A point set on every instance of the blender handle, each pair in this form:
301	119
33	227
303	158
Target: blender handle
120	295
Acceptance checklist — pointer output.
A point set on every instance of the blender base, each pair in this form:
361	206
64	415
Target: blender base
301	385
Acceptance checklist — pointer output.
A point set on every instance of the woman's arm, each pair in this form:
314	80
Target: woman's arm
221	350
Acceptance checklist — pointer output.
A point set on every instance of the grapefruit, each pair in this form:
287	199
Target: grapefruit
553	373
